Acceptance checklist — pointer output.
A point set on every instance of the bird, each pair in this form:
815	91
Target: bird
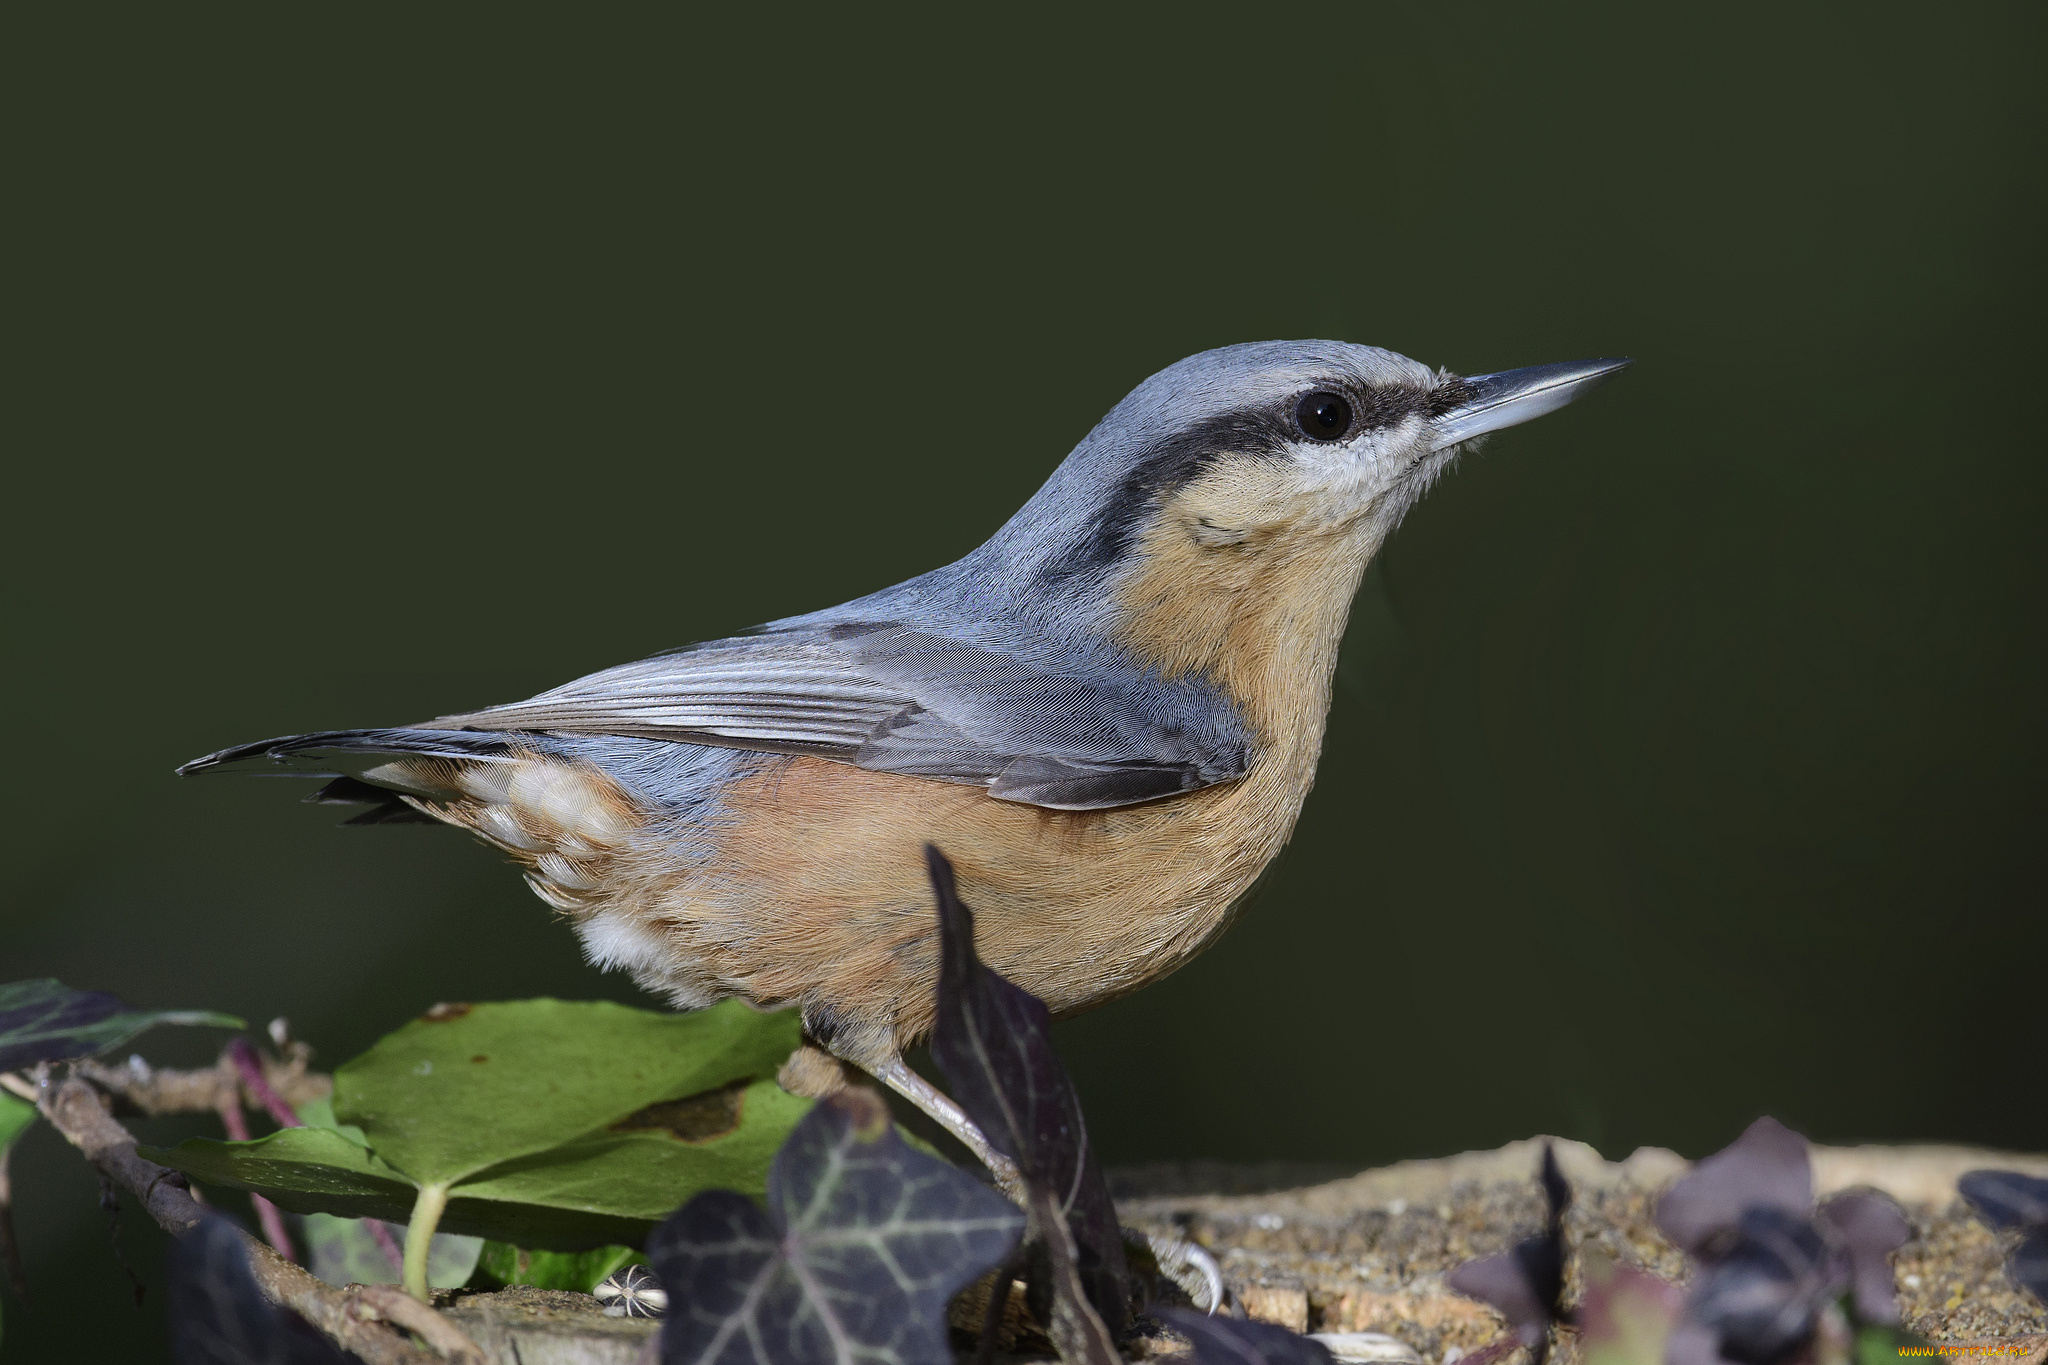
1108	716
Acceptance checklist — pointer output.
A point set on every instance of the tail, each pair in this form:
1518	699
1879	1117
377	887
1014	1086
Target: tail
340	756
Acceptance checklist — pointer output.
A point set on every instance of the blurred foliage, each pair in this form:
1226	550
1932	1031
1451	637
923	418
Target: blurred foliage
46	1021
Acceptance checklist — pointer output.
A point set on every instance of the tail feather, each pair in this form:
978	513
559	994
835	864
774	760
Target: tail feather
291	750
359	767
387	807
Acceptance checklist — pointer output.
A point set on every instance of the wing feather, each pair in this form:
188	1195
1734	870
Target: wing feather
895	699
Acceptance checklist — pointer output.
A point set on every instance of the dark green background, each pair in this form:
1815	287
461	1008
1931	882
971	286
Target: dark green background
1686	756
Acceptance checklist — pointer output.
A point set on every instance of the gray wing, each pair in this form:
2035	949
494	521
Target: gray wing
894	699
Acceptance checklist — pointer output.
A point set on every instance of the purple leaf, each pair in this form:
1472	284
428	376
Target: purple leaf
1762	1292
2007	1199
1767	1167
1501	1281
864	1242
1869	1227
1526	1283
46	1021
2028	1264
993	1041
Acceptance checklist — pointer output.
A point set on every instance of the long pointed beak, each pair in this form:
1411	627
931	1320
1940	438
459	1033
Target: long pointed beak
1514	396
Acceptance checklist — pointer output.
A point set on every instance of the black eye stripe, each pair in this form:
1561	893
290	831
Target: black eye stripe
1265	431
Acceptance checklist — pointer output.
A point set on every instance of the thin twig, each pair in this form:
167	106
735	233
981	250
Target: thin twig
380	1232
166	1090
75	1109
395	1305
245	1062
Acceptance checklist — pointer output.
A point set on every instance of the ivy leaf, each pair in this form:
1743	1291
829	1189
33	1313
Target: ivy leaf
220	1317
46	1021
993	1041
1239	1341
548	1124
863	1243
2007	1199
2028	1264
2010	1199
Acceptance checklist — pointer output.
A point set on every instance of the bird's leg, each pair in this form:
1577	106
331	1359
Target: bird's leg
954	1120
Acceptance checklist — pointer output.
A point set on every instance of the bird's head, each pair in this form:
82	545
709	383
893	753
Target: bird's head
1242	491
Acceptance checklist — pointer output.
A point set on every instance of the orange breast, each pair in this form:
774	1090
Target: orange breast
824	863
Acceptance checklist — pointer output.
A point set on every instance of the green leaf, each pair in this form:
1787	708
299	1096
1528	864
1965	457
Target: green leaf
645	1173
306	1170
317	1170
468	1087
16	1114
320	1114
680	1104
504	1264
343	1251
46	1021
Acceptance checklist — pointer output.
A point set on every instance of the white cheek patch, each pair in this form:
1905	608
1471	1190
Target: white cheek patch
1340	482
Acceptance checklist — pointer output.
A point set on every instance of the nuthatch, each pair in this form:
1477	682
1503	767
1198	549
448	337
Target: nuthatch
1108	716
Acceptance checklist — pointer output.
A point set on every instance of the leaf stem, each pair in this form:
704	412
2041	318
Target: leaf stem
419	1236
267	1216
245	1061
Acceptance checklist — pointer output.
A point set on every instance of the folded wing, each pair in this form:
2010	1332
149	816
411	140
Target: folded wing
894	699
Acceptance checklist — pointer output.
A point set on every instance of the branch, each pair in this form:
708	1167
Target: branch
165	1091
265	1082
395	1305
75	1109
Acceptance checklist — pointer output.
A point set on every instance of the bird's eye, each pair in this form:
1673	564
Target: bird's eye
1324	416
